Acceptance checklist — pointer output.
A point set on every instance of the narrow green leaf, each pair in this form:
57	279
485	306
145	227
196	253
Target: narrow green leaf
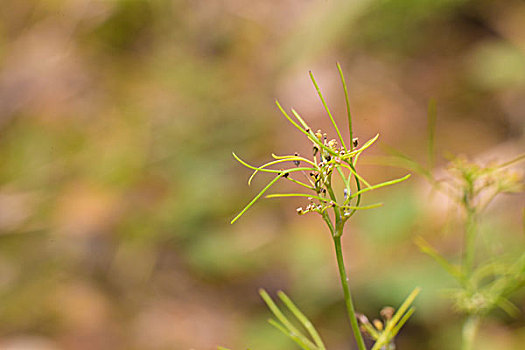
513	161
280	195
364	207
383	184
365	146
426	248
298	340
278	161
291	120
406	304
347	107
410	163
313	138
507	306
257	197
291	170
328	111
292	158
401	323
303	319
284	320
359	177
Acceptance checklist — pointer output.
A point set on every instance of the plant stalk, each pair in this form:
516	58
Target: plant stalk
470	329
470	242
346	290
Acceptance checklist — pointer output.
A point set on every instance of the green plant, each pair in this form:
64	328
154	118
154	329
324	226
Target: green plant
331	160
484	284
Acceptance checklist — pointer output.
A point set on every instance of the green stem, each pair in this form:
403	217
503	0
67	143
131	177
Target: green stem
470	242
346	290
470	329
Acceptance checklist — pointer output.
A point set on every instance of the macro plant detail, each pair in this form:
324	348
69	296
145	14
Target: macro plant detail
332	161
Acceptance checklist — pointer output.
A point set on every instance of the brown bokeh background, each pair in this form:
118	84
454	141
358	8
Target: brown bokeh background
117	184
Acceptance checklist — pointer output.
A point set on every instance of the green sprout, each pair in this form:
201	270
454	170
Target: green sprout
331	158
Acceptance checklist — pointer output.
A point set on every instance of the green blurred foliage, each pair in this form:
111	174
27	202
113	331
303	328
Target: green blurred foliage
117	184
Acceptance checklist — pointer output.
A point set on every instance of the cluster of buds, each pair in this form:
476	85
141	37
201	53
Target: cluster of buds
374	329
317	207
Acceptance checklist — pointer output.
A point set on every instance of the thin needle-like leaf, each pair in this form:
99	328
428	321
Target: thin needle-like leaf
291	120
291	170
363	207
313	138
507	306
359	177
411	164
292	158
278	161
257	197
510	162
289	178
426	248
302	318
402	322
279	195
328	111
298	340
347	106
343	177
383	184
284	320
365	146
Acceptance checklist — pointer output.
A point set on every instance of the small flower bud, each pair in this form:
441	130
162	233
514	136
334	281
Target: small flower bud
296	162
387	313
315	149
362	318
378	324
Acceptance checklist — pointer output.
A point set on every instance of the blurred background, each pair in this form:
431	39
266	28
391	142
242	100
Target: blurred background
117	183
